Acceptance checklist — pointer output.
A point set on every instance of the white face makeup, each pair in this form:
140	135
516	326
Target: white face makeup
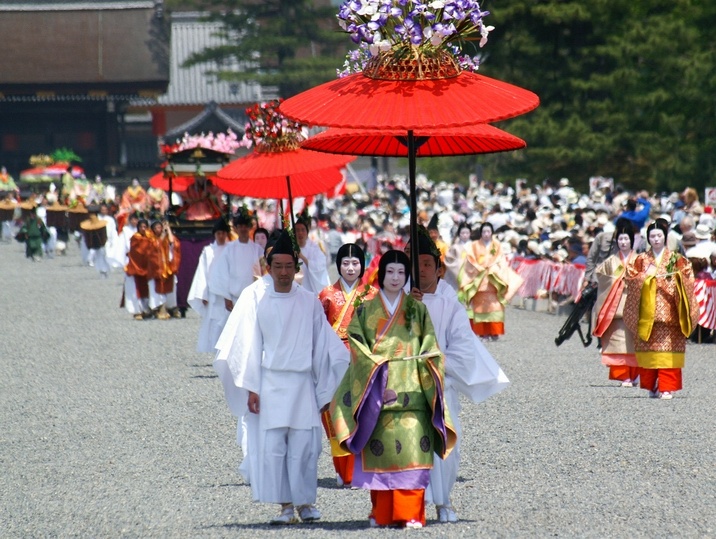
486	234
394	279
656	239
350	269
464	235
624	243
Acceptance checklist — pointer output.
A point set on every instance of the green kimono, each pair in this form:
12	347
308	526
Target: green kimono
390	406
35	233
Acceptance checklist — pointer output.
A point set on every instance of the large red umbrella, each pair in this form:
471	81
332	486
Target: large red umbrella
360	102
469	140
282	174
401	94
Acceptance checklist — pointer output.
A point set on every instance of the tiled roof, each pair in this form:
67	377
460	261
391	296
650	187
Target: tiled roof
191	86
212	118
50	5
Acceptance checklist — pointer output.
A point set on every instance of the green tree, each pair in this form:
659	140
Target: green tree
289	44
626	88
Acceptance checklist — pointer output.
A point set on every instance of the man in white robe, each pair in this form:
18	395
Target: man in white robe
469	369
118	256
285	359
238	266
209	306
313	274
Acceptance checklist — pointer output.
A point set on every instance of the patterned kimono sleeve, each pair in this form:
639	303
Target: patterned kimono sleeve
635	277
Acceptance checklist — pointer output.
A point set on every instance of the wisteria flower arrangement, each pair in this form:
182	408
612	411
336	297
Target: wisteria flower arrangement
412	28
223	142
268	129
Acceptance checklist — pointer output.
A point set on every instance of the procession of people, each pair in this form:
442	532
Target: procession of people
379	364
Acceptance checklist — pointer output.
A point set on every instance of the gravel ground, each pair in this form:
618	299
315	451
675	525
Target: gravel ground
117	428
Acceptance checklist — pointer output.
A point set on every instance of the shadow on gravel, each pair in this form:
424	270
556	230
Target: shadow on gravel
205	376
302	526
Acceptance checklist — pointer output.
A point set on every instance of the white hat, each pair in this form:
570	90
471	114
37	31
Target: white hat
702	232
564	182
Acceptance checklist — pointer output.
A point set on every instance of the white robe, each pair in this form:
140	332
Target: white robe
469	369
443	289
281	347
214	313
118	256
237	267
313	278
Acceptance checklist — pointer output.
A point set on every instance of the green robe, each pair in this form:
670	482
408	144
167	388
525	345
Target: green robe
390	409
35	234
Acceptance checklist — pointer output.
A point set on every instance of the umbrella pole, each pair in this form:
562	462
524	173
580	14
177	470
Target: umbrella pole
170	194
413	211
290	202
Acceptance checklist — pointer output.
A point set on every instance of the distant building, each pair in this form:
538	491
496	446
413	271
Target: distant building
68	72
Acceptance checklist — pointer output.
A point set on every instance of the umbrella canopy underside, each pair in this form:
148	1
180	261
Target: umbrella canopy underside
451	141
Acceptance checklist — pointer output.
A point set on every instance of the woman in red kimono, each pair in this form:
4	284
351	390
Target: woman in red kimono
339	301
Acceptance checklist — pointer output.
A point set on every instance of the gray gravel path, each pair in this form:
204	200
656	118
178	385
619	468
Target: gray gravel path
116	428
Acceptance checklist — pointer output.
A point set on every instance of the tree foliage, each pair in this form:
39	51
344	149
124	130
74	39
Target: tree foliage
289	44
627	89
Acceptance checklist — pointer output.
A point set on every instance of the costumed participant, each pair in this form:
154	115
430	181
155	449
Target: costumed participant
94	238
81	191
134	199
661	312
118	257
202	201
209	306
112	236
443	289
136	284
339	301
34	234
284	357
390	407
162	268
617	342
7	216
455	257
469	369
434	232
239	265
486	283
313	273
157	201
7	184
261	238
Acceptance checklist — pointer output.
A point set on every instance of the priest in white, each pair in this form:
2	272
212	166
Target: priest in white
313	274
238	266
469	369
209	306
285	359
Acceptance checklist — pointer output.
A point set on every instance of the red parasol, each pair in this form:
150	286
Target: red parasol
394	93
469	140
178	183
360	102
282	174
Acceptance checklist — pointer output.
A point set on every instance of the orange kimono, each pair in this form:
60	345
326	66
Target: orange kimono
485	285
338	304
617	341
140	247
160	265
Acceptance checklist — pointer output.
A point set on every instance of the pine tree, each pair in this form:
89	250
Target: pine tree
289	44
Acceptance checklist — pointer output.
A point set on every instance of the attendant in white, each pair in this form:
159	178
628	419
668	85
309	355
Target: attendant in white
112	236
313	274
443	289
288	362
210	307
119	255
469	369
238	266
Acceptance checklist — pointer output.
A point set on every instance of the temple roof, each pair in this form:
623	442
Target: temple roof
98	49
211	119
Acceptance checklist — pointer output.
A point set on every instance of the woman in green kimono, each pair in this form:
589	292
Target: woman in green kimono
390	409
34	233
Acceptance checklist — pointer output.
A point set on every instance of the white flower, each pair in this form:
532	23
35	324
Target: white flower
484	32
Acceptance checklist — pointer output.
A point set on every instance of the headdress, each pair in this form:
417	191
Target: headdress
243	216
304	218
426	245
433	224
220	226
659	224
624	226
350	250
284	245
